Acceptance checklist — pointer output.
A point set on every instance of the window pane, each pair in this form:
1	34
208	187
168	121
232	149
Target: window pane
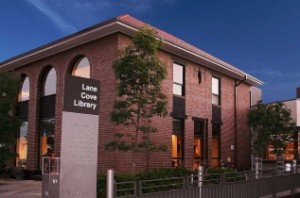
197	147
198	128
177	89
22	145
47	137
177	142
82	68
24	91
50	83
215	86
215	155
178	74
177	126
215	100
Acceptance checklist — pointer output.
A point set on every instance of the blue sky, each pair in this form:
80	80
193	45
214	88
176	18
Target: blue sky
261	37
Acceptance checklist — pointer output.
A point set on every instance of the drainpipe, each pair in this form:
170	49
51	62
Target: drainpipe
237	83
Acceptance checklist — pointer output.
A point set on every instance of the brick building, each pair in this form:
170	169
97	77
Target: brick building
208	99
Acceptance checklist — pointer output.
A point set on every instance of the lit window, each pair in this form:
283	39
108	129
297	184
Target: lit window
82	68
177	142
47	137
215	91
22	143
24	91
290	152
49	83
178	79
198	134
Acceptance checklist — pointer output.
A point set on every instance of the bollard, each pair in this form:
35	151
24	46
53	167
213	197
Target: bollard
110	183
256	169
200	179
294	166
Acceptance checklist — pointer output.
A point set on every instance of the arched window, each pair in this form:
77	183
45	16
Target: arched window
22	113
49	83
47	114
82	68
24	91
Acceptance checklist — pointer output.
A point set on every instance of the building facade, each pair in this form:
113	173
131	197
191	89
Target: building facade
208	99
292	152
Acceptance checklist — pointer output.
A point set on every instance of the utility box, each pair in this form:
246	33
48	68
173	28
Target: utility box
50	177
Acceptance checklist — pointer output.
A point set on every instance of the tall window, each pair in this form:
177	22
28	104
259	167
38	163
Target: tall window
215	145
82	68
49	83
215	91
22	113
47	137
47	113
198	142
178	79
177	143
22	144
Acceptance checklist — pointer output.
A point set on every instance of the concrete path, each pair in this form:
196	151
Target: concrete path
20	188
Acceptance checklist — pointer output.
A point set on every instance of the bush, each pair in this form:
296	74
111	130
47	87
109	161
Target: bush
158	177
219	175
101	186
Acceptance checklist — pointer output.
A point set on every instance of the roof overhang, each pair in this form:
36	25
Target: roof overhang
114	26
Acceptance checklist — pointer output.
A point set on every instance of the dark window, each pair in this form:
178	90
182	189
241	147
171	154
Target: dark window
215	145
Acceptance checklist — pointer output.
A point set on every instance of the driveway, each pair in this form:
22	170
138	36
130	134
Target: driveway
20	188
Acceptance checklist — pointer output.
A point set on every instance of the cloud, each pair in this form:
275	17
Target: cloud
57	19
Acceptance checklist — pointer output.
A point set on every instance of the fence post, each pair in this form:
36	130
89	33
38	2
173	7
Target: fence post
258	167
140	186
294	166
200	179
110	183
273	184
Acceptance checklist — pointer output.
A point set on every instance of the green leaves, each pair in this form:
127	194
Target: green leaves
271	124
139	75
9	123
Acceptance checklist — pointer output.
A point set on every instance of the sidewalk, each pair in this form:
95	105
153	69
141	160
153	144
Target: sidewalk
20	188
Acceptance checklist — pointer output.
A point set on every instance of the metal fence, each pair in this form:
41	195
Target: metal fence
223	185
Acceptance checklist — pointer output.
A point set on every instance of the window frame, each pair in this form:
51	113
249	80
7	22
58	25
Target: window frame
198	134
182	76
178	160
218	94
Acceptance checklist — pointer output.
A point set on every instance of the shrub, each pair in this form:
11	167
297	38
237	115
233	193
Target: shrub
219	175
161	179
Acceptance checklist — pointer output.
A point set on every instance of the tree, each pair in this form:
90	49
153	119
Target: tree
139	75
270	124
9	123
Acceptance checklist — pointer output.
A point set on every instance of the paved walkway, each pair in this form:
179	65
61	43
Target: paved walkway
20	188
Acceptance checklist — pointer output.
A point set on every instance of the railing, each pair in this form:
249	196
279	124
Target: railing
226	185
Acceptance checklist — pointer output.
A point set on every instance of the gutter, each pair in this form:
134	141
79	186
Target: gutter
235	116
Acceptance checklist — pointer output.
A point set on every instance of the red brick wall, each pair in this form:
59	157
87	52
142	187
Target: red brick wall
101	54
243	131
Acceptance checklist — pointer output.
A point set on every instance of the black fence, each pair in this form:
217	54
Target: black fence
241	184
